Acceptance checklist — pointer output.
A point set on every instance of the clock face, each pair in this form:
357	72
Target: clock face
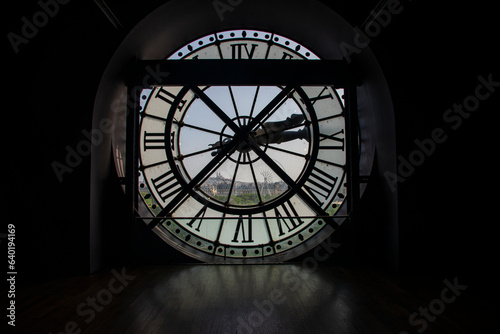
241	172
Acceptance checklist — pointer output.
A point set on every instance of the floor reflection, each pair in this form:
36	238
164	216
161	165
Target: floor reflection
242	298
287	298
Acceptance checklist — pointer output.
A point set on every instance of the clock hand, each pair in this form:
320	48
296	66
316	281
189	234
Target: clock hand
281	137
275	132
218	146
271	133
241	147
280	126
241	132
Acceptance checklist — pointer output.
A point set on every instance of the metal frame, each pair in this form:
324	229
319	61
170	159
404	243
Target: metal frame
245	72
375	109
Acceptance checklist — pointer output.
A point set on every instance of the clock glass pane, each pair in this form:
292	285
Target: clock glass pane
241	172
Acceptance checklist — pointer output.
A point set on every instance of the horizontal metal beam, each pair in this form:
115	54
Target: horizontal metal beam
149	73
238	217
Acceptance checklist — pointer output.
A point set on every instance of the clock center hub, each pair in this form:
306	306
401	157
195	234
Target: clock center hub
243	146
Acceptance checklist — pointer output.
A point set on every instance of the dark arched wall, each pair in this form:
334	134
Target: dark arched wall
431	54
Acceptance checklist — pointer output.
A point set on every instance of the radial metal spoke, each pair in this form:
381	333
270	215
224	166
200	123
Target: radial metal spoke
287	151
254	101
254	177
215	163
290	182
216	109
189	155
234	178
270	108
272	112
202	129
234	105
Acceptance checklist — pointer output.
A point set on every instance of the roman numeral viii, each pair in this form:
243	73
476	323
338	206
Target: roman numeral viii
166	185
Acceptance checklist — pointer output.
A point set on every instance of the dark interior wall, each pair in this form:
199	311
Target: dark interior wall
431	57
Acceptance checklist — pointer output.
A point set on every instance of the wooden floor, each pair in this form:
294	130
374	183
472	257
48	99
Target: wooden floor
244	299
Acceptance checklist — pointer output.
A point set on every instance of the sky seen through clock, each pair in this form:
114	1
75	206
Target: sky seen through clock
199	115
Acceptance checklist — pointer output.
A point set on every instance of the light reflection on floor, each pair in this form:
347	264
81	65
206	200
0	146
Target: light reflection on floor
248	298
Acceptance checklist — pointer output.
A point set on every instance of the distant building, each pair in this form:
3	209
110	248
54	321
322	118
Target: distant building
220	186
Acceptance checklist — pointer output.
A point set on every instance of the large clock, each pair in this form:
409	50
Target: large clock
241	172
236	139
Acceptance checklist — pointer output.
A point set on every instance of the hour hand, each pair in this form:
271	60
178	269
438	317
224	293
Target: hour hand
218	146
277	127
276	132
